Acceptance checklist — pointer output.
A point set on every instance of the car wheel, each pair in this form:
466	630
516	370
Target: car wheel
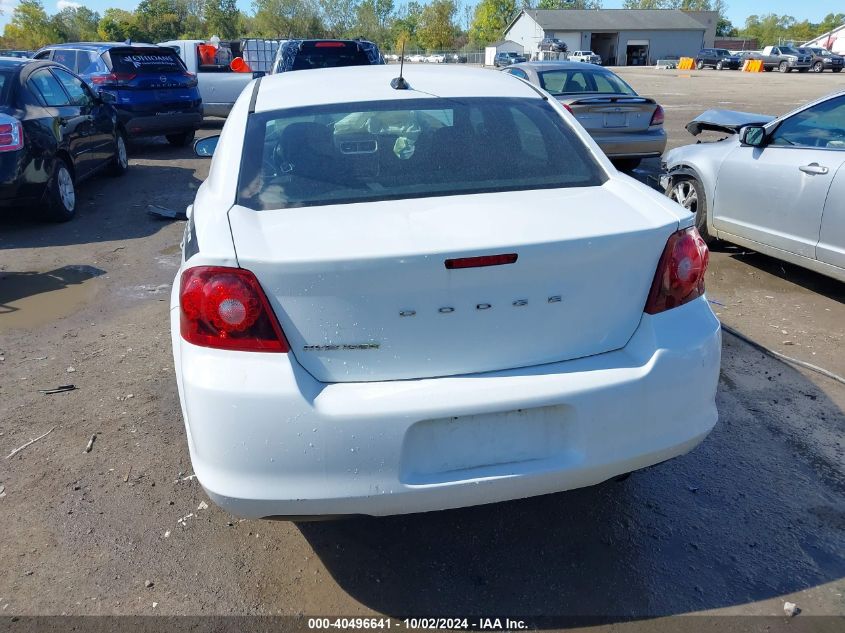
626	164
836	70
699	65
719	65
784	67
61	193
688	192
183	139
818	67
120	162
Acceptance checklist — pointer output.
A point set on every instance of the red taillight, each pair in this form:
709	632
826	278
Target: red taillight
227	309
11	134
567	106
658	116
480	262
680	273
329	45
112	79
191	77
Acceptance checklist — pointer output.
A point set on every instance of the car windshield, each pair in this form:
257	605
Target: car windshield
787	50
323	54
513	54
721	52
372	151
573	80
145	60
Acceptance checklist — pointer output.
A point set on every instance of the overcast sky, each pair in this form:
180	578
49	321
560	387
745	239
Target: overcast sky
738	10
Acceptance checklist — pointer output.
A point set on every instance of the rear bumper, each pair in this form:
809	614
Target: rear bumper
645	144
157	124
266	439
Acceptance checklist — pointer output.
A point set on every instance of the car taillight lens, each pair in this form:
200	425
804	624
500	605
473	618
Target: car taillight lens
11	134
191	77
226	308
680	273
108	79
658	116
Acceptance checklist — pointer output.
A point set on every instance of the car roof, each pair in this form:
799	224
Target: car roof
372	83
13	63
99	46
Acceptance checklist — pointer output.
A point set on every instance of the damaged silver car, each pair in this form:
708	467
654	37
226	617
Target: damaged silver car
773	185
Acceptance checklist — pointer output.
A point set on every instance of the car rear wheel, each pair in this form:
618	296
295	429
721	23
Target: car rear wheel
183	139
719	65
818	67
699	65
784	67
836	70
626	164
120	163
688	192
61	193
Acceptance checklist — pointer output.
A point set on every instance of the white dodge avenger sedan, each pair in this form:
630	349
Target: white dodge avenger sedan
400	297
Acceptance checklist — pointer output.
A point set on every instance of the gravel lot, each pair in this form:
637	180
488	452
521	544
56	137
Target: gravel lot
753	517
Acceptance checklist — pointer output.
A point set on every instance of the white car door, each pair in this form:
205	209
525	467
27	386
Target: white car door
831	248
776	194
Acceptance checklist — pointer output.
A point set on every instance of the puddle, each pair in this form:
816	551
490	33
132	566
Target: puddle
29	299
171	250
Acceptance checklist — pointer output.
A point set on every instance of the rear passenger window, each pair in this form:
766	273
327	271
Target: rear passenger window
90	63
47	87
74	87
66	58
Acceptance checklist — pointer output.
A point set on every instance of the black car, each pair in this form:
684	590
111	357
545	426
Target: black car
309	54
718	58
54	133
823	59
552	44
506	59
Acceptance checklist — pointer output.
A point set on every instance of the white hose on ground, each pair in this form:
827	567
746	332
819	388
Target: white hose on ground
784	357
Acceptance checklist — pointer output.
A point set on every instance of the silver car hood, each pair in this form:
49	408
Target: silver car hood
729	121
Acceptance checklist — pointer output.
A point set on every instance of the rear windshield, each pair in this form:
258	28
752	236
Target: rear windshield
145	60
573	80
5	84
329	55
364	152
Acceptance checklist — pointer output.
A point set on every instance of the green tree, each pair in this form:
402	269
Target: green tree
339	16
76	24
569	4
287	18
118	25
221	18
490	19
644	4
437	29
830	22
29	27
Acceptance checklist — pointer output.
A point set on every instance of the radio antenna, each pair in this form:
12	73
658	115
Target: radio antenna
399	83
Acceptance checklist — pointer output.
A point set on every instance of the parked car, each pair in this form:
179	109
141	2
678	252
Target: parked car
436	58
588	57
552	44
626	126
211	61
823	59
774	186
503	59
718	58
785	59
150	87
54	133
393	366
416	58
456	58
19	54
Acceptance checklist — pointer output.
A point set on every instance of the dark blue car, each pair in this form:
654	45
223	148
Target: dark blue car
149	86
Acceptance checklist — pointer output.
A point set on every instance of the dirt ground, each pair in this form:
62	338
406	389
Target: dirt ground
752	518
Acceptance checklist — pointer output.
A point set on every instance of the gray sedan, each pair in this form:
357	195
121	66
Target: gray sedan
626	126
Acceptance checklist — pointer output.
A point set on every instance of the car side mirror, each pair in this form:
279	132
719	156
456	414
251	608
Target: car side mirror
106	97
753	136
204	147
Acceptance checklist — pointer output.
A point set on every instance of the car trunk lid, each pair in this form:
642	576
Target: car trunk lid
150	77
363	292
599	112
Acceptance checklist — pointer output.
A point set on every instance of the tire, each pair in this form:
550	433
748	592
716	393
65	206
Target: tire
836	70
699	65
182	139
818	67
784	67
120	162
688	192
719	65
60	203
626	164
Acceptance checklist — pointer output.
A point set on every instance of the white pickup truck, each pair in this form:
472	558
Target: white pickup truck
584	56
219	85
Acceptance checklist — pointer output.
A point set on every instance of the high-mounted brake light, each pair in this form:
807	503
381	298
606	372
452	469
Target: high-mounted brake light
11	134
329	45
480	262
658	116
226	308
680	272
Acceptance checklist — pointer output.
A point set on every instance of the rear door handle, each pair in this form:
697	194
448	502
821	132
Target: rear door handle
814	168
